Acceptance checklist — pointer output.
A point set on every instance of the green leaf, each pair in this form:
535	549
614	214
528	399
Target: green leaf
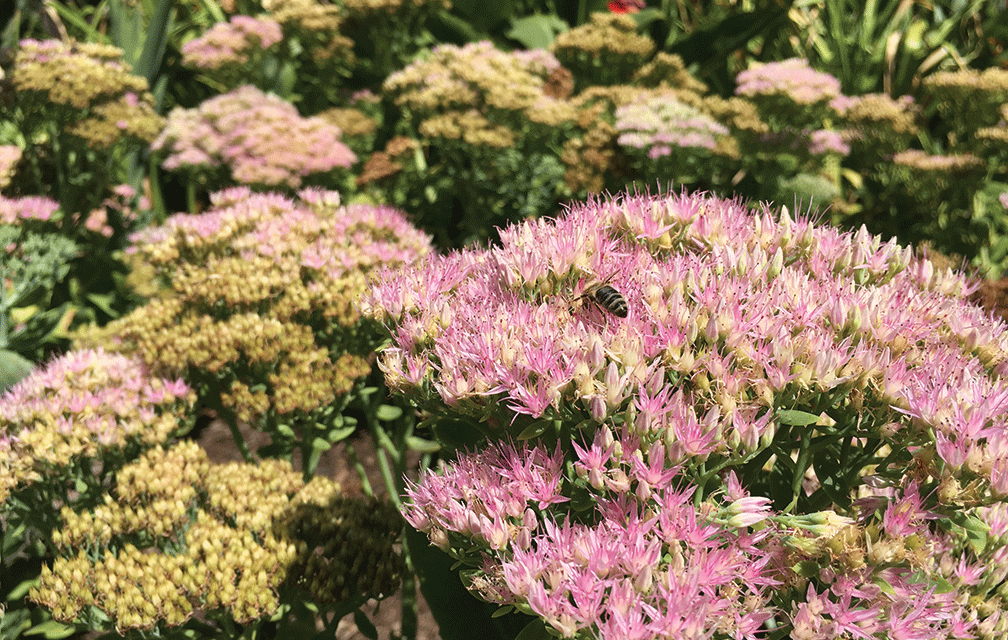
976	530
796	418
536	31
503	611
388	412
535	429
21	589
13	369
364	625
535	630
422	445
338	435
52	630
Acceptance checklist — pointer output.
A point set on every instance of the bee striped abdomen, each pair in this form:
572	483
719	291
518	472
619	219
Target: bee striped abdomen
611	300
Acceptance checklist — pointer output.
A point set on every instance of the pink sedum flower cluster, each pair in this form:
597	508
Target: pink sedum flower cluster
658	124
261	139
753	343
793	78
232	43
20	210
79	405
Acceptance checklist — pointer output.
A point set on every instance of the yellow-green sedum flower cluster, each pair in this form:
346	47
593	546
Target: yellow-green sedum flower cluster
259	306
179	534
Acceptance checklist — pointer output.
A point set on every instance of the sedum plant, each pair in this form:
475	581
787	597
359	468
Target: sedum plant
669	417
181	545
253	302
251	138
489	125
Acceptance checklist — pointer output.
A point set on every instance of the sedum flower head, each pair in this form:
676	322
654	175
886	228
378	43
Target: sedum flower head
479	93
789	92
605	51
87	88
80	405
876	125
658	124
968	99
260	298
231	43
10	155
261	139
727	342
179	534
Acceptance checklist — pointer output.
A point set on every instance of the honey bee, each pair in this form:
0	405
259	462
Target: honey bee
605	296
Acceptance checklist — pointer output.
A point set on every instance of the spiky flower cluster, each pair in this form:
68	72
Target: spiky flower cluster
79	406
659	124
789	92
798	357
260	139
260	299
180	534
479	94
232	49
87	89
605	51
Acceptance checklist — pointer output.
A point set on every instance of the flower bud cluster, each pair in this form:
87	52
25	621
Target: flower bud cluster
231	50
260	298
789	92
877	126
79	406
346	546
88	88
479	94
180	534
656	338
260	139
968	99
604	51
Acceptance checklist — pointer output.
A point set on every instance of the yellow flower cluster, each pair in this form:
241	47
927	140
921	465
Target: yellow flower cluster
878	126
468	126
260	304
480	95
183	534
353	122
99	98
604	51
969	99
317	22
218	517
668	72
346	546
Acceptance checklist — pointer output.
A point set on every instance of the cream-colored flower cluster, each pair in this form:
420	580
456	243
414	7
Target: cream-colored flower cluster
93	91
